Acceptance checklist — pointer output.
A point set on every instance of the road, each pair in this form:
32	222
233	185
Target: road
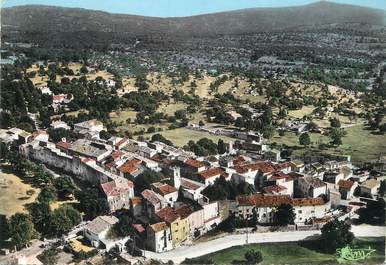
179	254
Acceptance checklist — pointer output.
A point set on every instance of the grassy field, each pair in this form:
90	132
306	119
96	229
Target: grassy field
294	253
360	143
182	136
14	193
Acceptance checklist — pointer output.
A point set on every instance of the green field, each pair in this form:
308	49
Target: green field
182	136
294	253
360	143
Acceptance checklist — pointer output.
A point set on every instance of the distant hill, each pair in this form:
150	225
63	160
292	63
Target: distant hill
57	25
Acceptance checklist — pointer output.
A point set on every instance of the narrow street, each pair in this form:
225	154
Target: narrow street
179	254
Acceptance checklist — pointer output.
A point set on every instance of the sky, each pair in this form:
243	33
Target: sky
179	8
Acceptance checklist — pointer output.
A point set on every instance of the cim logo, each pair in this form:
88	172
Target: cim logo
348	254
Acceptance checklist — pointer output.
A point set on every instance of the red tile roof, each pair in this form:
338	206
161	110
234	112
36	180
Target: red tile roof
261	200
274	189
161	226
166	189
116	155
238	160
194	163
122	141
167	214
212	172
184	211
116	187
63	145
136	200
130	166
346	184
138	227
280	175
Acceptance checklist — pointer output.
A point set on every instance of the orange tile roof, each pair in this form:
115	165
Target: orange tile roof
194	163
212	172
130	166
274	189
161	226
114	188
346	184
261	200
136	200
167	214
63	145
184	211
166	189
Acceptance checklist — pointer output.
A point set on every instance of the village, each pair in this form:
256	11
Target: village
173	211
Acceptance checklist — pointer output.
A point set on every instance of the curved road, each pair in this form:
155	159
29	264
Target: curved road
179	254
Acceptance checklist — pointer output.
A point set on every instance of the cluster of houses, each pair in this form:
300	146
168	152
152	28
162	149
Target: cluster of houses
175	210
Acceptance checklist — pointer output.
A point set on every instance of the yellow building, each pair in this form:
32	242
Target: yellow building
179	225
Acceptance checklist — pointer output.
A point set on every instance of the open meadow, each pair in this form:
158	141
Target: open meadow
14	194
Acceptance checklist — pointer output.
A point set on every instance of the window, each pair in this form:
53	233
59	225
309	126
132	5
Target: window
299	211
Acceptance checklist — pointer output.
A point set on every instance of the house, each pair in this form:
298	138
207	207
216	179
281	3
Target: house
60	124
281	183
90	128
118	193
209	176
193	166
272	155
85	148
192	189
179	224
13	135
263	207
297	166
97	232
153	202
370	187
40	135
129	168
333	177
195	216
347	188
159	237
136	208
168	192
310	187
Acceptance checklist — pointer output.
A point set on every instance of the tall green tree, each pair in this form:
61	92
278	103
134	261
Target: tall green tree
63	219
336	234
304	139
21	230
284	215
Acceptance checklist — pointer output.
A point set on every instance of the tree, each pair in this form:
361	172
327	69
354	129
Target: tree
21	229
336	234
47	195
65	187
284	215
92	202
221	147
83	70
40	215
123	228
145	179
63	219
304	139
49	256
335	122
253	256
373	213
4	228
336	136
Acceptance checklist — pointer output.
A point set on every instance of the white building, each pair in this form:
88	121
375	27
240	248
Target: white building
159	237
97	232
264	207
